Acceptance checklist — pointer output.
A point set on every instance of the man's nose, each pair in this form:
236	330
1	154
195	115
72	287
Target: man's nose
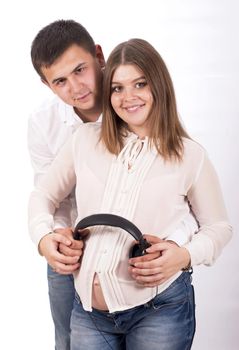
75	84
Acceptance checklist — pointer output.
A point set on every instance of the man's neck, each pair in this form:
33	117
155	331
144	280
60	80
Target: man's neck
88	116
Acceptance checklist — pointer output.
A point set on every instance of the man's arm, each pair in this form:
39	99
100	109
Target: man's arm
41	158
57	246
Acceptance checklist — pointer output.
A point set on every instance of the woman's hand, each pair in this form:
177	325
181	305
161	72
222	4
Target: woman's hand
164	259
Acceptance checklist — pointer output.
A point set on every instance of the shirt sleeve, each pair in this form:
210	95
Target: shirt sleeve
41	159
56	185
184	231
206	201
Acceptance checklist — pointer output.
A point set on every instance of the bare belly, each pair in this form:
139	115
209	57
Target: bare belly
98	300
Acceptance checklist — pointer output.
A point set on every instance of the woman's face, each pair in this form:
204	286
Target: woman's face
131	98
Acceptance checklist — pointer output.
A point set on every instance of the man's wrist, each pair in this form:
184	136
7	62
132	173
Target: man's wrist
40	243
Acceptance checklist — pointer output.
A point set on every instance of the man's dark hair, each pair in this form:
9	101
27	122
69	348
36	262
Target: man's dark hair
54	39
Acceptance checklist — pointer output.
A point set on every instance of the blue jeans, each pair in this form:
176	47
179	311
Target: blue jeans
167	322
61	294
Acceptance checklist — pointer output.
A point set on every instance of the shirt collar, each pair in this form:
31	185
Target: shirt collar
68	114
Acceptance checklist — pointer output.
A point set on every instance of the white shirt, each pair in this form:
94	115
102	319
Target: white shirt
152	193
49	127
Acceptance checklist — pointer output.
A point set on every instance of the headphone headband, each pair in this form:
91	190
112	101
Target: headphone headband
115	221
109	220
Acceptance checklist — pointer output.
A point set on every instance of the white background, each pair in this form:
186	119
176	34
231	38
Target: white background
199	40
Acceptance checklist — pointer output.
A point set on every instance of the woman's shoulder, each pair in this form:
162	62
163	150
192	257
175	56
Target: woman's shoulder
193	147
194	155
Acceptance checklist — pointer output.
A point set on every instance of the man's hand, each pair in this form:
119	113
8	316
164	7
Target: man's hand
61	251
164	259
75	248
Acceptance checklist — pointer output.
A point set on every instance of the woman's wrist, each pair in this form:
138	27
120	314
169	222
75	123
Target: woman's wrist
187	260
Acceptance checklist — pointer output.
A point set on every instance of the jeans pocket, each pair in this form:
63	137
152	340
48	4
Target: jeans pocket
176	293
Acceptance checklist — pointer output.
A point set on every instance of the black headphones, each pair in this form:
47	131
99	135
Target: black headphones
116	221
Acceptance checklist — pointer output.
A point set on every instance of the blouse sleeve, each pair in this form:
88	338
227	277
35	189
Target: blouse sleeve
49	192
206	201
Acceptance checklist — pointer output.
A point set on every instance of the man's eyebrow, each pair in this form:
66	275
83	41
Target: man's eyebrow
74	70
79	66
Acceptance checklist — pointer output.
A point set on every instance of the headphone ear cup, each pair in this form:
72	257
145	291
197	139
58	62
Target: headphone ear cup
135	251
139	249
77	235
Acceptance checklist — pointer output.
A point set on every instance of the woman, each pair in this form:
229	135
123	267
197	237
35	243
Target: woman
143	166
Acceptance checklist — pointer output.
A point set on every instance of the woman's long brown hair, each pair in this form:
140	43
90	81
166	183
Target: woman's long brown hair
166	130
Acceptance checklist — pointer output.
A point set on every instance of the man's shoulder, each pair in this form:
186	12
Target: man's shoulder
47	104
49	109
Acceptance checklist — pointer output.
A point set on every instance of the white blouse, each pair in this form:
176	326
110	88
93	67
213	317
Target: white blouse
156	195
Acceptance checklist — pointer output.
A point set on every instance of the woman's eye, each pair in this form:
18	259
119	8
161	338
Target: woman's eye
116	89
141	84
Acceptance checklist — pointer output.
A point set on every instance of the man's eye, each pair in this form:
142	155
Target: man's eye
80	70
60	82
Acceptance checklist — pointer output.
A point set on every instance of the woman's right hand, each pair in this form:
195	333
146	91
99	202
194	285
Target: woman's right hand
164	259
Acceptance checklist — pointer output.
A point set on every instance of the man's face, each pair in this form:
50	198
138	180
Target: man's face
76	77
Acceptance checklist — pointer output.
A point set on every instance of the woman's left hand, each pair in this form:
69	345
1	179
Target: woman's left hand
164	259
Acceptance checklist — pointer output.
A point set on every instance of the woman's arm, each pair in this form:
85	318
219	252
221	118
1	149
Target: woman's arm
206	202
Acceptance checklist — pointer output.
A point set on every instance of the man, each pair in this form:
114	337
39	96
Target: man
71	65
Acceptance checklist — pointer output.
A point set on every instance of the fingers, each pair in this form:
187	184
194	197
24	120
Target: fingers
159	247
153	239
64	264
74	249
147	270
65	269
144	258
67	260
144	272
49	247
67	231
50	242
148	277
60	238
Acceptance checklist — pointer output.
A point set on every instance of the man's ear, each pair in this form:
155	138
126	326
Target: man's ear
100	55
44	82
